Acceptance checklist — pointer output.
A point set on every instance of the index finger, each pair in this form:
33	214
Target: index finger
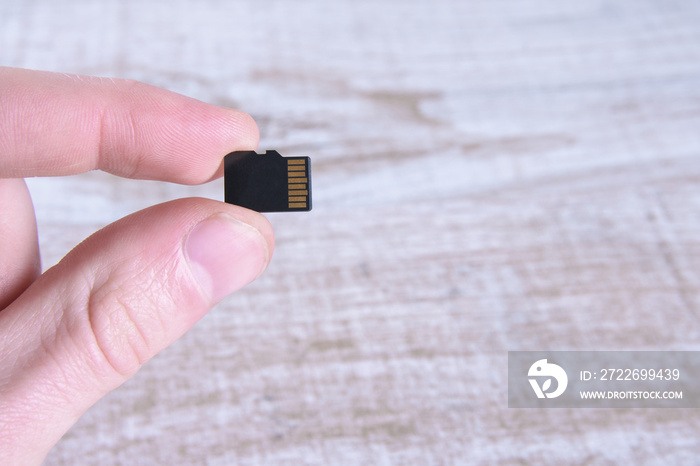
55	124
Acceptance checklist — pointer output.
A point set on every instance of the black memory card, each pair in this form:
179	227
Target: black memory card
267	182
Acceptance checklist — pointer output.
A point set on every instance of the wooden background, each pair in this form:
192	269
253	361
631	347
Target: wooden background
489	175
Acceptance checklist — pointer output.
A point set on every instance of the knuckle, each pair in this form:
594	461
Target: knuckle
124	321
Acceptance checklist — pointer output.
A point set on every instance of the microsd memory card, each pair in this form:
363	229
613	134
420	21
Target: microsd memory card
267	182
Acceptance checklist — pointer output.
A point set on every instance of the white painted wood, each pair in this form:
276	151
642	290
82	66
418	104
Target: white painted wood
488	176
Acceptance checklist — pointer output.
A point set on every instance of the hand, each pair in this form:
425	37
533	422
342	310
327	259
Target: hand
83	327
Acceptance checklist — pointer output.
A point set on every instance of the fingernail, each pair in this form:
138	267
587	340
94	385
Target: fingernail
225	254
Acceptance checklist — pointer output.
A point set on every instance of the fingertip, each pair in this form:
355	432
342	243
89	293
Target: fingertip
153	133
246	134
254	219
224	255
241	133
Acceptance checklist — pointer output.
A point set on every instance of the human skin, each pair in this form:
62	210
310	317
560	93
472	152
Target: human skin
83	327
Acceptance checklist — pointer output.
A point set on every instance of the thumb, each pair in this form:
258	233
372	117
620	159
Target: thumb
128	291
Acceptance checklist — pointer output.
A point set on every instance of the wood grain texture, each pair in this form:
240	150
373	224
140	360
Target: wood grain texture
488	176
